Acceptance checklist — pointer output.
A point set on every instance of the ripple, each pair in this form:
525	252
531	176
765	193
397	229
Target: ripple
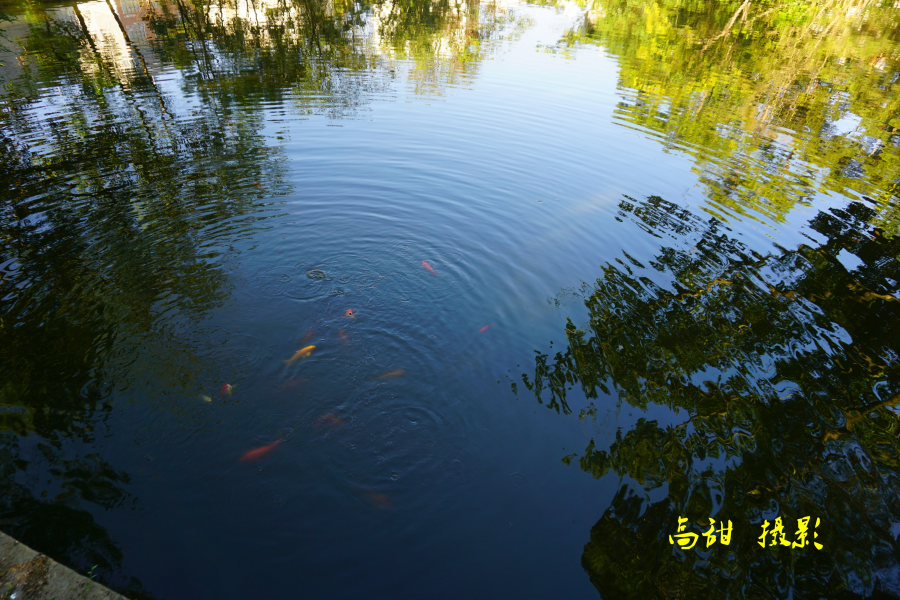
307	289
444	295
409	248
452	257
366	280
269	284
462	460
385	444
410	418
241	352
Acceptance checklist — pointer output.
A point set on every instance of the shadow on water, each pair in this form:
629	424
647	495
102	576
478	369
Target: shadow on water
769	388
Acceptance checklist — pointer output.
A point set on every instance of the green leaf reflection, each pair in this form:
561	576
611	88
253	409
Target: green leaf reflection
133	163
774	101
770	388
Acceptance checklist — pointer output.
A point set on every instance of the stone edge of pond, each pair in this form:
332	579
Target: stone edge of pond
29	575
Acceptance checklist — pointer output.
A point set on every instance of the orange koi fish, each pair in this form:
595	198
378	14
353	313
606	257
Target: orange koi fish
259	452
485	328
430	270
226	390
349	313
392	374
301	353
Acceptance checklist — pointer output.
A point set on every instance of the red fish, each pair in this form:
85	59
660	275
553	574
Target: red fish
430	270
226	390
343	336
308	336
349	313
259	452
485	328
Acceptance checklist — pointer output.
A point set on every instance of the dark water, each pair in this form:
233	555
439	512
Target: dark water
608	266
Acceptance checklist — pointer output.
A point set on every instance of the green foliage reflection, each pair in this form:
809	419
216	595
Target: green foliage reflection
776	101
779	373
123	193
115	218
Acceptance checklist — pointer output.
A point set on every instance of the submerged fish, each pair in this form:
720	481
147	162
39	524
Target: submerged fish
292	384
205	398
379	499
308	336
392	374
226	390
343	336
301	353
485	328
259	452
329	420
430	270
372	496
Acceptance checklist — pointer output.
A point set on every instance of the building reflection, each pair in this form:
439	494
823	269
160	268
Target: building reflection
442	41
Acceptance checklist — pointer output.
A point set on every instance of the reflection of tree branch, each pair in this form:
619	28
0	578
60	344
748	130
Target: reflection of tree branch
162	104
201	36
854	416
795	58
313	21
742	8
865	294
684	295
102	65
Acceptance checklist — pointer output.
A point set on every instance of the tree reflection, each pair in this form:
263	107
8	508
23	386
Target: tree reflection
324	55
122	196
57	524
774	100
780	372
115	220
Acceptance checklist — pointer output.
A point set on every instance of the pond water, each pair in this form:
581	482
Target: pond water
434	299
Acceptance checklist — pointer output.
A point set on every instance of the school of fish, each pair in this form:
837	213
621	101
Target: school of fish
328	420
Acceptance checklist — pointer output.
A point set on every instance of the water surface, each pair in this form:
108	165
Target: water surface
608	265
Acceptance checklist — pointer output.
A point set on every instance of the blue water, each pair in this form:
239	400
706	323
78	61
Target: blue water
435	482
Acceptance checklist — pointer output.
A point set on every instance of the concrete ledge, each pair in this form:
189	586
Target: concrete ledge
28	575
